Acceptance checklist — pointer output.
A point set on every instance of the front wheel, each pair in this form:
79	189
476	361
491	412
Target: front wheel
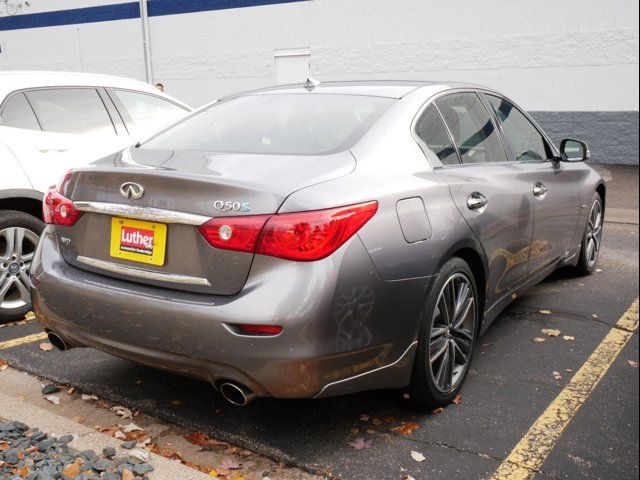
592	239
447	336
19	235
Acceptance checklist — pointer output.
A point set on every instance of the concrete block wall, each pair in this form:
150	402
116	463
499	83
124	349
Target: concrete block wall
574	63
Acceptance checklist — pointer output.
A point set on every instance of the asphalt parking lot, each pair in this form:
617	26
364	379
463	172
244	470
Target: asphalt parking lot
514	379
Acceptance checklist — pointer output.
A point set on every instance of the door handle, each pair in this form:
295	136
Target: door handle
477	202
540	191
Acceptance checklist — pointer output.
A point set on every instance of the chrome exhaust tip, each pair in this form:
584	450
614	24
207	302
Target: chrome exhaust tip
57	341
237	395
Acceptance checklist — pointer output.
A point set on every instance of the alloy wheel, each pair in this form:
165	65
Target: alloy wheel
452	333
594	233
17	246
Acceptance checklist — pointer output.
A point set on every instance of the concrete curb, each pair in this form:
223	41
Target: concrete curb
13	408
621	215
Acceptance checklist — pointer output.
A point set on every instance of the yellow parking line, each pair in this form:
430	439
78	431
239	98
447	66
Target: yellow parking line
527	457
21	341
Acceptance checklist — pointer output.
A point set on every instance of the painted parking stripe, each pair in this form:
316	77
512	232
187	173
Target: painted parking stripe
527	457
22	340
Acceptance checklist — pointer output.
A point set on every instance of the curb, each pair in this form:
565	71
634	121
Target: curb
85	438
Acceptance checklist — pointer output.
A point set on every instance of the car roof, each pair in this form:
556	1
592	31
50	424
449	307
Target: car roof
377	88
19	80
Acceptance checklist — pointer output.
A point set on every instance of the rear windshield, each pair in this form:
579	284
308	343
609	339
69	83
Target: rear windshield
283	124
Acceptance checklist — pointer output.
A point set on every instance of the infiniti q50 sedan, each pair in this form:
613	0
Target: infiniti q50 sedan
318	239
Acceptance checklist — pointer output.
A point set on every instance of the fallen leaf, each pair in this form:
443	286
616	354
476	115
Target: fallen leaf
569	338
132	427
389	420
417	456
598	270
406	396
119	435
551	332
72	470
360	444
438	410
80	419
3	365
122	411
88	398
71	391
30	316
364	418
406	428
176	403
557	375
457	400
545	312
213	473
46	347
355	431
538	340
376	421
53	399
408	477
632	363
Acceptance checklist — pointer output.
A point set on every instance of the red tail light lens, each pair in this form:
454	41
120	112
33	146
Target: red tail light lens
234	233
306	236
59	210
310	236
260	330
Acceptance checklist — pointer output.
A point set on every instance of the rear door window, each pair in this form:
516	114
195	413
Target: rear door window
473	131
71	110
526	140
148	112
17	113
432	131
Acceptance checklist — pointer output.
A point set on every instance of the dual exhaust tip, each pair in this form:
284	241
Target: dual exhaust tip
234	393
237	394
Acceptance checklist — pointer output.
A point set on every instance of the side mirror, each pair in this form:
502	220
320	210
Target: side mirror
574	150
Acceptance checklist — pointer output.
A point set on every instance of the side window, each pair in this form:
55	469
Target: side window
148	112
473	131
524	137
433	133
17	113
71	110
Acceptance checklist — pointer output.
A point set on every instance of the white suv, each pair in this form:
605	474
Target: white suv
51	122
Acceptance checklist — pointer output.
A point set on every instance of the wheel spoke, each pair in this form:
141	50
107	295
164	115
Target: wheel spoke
460	352
440	349
5	286
9	239
27	257
438	332
443	367
590	248
461	298
17	244
464	314
25	294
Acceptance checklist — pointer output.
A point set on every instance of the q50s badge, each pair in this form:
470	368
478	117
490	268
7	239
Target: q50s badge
231	206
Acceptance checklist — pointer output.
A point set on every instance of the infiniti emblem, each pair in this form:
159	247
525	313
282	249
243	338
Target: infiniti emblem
131	190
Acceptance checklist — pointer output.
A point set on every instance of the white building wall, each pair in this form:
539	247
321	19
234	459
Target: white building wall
550	56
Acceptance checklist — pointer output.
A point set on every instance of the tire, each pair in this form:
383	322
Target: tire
592	238
429	388
15	261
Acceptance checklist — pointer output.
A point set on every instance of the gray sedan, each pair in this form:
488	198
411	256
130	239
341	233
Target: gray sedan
316	240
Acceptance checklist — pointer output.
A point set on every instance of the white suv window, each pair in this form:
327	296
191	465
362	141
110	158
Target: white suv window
148	112
71	110
17	113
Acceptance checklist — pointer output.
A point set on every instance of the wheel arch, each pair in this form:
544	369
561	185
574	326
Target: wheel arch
602	191
26	201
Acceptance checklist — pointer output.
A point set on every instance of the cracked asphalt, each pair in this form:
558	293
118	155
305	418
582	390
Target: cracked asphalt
511	383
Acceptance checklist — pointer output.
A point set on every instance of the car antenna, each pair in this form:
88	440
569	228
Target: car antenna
311	83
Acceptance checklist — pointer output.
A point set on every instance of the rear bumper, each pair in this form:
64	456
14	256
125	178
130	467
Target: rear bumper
345	329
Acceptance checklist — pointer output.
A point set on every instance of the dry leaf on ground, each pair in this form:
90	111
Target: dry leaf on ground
632	363
538	340
406	428
30	316
46	347
229	464
545	312
569	338
551	332
3	365
557	375
417	456
360	444
457	400
438	410
122	411
364	418
53	399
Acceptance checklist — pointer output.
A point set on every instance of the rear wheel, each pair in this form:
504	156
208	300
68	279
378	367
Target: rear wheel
19	235
447	336
592	240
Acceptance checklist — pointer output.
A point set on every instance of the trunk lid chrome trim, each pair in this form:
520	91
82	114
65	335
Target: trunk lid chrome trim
142	213
146	274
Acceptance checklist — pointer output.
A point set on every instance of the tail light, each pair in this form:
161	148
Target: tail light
259	330
305	236
59	210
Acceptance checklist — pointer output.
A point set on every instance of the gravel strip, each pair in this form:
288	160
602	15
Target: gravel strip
27	453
